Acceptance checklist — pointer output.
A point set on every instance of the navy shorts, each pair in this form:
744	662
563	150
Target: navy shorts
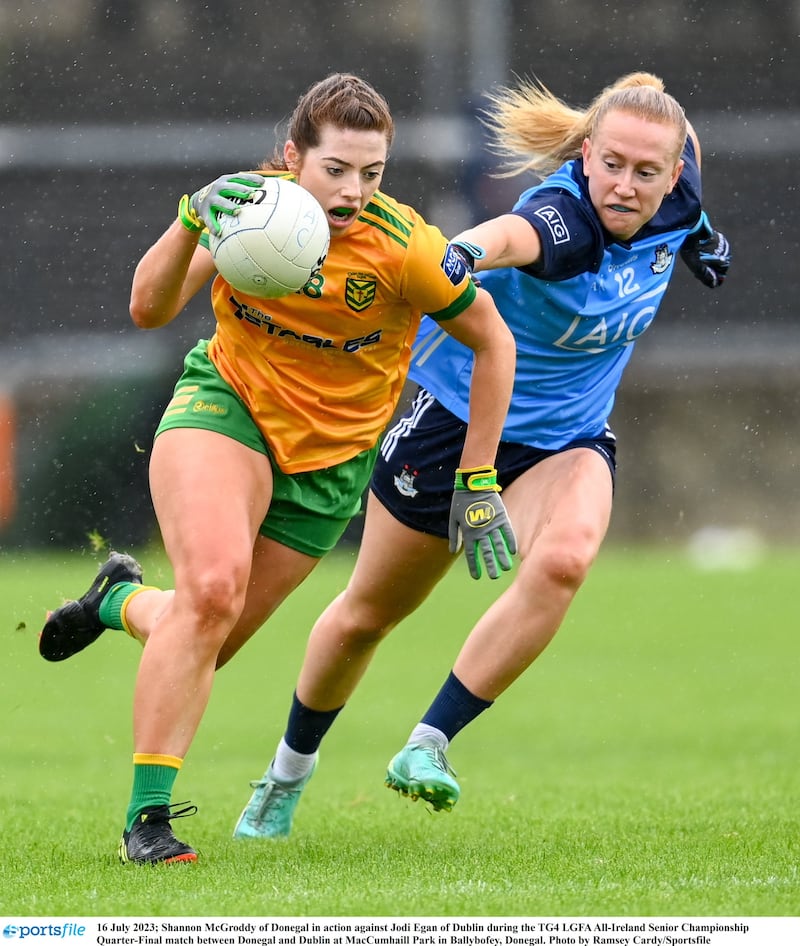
416	468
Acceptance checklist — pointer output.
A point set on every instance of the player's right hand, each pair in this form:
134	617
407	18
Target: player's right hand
225	195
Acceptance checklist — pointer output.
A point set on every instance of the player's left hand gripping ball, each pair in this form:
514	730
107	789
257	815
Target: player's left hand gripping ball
225	195
479	519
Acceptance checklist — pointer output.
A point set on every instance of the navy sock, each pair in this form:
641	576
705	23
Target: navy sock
454	707
306	727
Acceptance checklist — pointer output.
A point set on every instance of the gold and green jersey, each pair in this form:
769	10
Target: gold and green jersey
321	370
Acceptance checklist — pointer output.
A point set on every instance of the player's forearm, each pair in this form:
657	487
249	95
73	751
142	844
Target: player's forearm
507	240
490	395
160	287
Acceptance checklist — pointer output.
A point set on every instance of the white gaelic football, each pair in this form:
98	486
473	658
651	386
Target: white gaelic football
276	242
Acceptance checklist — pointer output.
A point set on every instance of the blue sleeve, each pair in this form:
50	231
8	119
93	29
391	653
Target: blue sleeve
571	236
681	208
690	175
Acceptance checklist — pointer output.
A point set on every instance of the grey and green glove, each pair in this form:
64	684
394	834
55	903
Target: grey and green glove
479	519
225	195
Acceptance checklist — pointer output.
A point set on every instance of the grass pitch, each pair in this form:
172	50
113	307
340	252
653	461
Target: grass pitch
646	765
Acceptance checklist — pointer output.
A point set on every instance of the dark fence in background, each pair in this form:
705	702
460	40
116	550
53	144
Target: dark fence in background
110	112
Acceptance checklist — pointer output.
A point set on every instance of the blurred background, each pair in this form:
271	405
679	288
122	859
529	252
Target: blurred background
110	111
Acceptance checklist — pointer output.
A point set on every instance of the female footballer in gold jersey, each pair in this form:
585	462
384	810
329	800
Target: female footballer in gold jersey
262	456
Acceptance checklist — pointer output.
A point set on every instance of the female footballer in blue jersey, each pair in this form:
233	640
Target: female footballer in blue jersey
578	269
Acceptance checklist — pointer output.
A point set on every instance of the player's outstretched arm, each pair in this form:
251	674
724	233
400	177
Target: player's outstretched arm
507	240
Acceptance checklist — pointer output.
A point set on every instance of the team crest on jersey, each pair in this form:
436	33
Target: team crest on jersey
663	260
359	291
404	482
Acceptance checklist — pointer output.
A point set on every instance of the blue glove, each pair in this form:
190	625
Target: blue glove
459	260
468	253
479	519
225	195
707	253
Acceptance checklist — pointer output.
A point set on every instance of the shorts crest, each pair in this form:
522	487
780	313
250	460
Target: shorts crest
404	482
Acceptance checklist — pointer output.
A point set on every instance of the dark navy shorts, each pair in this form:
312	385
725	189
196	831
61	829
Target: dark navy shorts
416	468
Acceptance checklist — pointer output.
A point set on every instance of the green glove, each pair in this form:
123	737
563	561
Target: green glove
479	519
225	195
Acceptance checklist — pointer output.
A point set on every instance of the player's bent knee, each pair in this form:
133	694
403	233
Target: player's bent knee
567	564
369	625
214	598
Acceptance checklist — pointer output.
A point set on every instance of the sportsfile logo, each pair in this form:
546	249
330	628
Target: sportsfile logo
56	930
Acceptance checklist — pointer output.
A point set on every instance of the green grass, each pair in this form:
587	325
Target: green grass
646	765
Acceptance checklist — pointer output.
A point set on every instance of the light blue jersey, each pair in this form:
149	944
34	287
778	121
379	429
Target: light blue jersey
575	315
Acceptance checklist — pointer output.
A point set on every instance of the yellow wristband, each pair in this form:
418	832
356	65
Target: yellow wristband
477	478
188	217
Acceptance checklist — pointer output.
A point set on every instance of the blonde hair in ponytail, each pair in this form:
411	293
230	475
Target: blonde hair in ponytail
536	131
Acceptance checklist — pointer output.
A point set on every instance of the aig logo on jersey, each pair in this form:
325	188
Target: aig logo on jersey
555	224
479	514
